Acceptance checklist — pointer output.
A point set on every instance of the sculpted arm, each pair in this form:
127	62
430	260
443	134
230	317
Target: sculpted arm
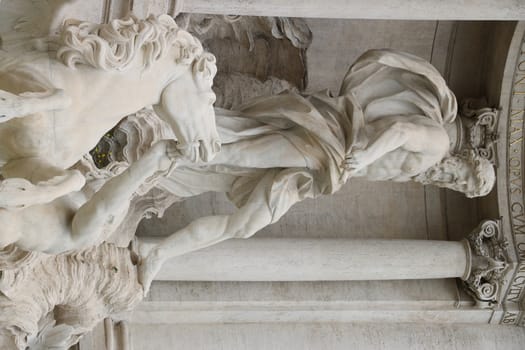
103	212
415	134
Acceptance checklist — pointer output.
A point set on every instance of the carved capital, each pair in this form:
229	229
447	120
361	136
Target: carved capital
487	262
479	129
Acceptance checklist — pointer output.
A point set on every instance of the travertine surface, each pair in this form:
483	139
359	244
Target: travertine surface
384	216
334	336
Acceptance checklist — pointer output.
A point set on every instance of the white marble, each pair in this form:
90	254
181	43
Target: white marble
280	150
344	214
81	219
267	259
276	152
65	93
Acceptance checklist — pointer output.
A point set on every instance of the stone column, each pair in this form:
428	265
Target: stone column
479	260
269	259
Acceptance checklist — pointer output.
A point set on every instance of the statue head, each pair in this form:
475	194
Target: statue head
466	172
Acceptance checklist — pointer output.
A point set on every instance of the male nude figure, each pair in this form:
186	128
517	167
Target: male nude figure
387	124
82	219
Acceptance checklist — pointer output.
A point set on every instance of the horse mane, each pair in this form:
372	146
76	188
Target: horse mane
113	46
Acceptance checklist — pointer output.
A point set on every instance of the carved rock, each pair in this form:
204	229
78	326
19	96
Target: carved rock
257	56
54	299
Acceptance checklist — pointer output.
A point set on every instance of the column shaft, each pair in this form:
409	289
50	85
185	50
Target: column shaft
268	259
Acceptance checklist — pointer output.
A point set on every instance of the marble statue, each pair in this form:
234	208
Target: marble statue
84	218
52	300
65	84
60	95
388	123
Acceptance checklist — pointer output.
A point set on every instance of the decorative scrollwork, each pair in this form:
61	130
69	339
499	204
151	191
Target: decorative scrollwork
480	125
488	262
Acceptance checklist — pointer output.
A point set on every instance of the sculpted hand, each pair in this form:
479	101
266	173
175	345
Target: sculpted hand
357	160
163	157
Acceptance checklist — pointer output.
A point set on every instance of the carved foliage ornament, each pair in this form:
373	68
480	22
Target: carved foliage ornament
477	129
487	263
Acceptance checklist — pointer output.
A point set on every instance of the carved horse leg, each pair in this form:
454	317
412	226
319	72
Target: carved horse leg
16	106
31	181
107	208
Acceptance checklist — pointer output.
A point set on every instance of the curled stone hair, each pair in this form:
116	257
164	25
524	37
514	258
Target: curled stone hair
114	46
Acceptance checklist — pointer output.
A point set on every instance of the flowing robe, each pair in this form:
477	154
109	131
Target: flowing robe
324	129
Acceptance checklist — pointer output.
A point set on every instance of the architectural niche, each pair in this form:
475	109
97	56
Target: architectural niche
70	258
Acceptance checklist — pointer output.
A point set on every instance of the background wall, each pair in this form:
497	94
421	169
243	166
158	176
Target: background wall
327	336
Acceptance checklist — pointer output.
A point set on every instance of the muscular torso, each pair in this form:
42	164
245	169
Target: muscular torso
41	227
426	143
399	165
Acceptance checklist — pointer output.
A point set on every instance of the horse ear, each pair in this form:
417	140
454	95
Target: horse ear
204	70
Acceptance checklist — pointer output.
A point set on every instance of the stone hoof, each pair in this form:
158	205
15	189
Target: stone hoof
147	270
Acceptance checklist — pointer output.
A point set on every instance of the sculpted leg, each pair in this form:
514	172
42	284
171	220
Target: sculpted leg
16	106
269	151
106	209
31	181
206	231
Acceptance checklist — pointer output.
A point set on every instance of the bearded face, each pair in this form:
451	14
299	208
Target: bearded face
467	173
